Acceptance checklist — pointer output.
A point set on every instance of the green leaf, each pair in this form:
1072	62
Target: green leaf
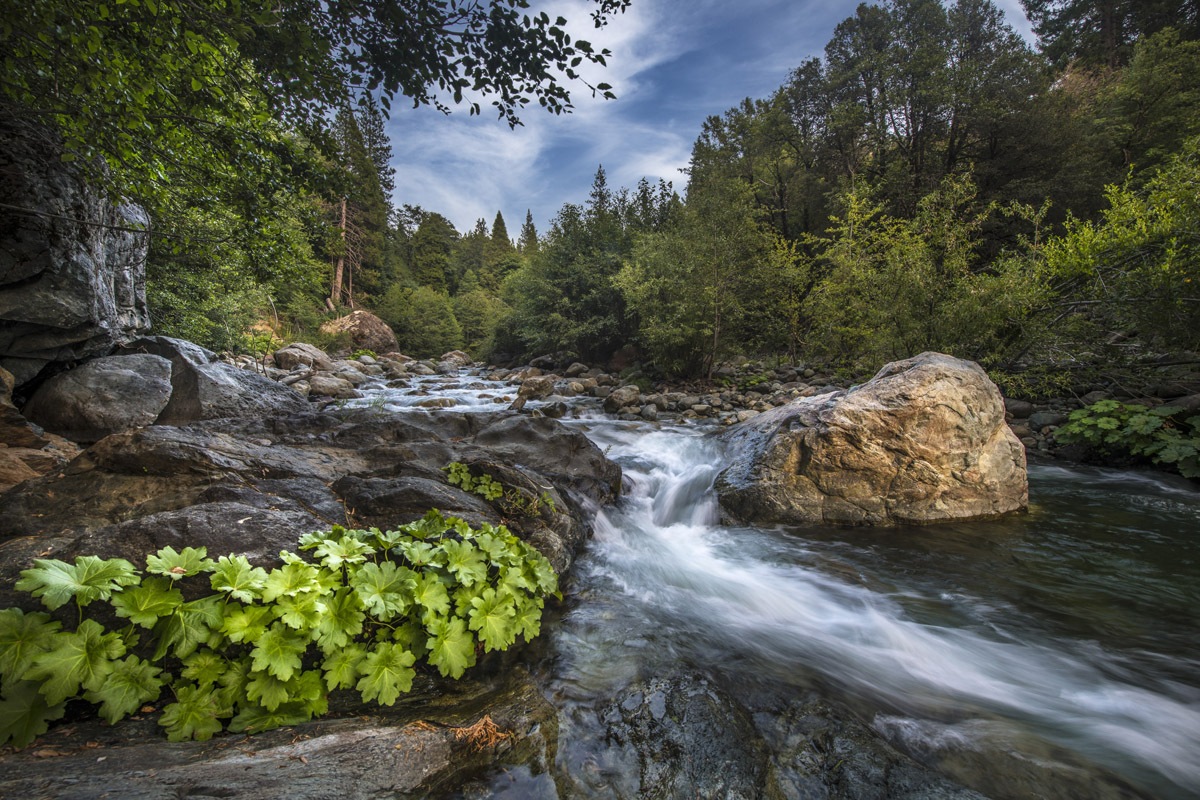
89	579
257	718
413	637
204	667
386	674
341	666
495	548
80	659
465	562
22	637
302	612
431	595
267	690
279	651
191	561
194	715
528	620
131	683
491	616
25	714
346	550
145	604
233	684
384	589
191	625
342	621
236	577
291	579
246	623
419	554
451	647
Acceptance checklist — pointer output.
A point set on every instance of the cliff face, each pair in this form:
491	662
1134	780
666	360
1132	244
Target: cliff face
72	262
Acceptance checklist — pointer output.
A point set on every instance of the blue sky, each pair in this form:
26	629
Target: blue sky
674	63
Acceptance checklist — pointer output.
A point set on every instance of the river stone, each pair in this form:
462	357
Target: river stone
302	354
620	398
923	441
365	330
105	395
456	357
72	262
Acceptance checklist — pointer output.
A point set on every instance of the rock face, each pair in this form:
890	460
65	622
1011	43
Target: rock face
254	486
366	331
26	450
923	441
72	275
105	395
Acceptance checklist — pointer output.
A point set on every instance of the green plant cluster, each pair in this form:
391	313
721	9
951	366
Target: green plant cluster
512	500
1160	434
266	647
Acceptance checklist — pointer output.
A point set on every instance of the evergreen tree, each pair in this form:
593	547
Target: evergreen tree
527	244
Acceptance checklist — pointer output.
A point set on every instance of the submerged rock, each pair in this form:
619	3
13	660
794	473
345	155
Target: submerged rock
923	441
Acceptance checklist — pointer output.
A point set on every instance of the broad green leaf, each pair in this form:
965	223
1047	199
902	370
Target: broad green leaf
384	589
528	620
494	548
465	562
419	554
233	684
190	626
386	673
257	718
342	620
25	714
236	577
204	667
246	623
290	580
302	612
341	666
339	552
176	565
194	715
309	688
22	637
88	579
451	647
413	636
431	595
131	683
145	604
267	690
80	659
491	616
279	651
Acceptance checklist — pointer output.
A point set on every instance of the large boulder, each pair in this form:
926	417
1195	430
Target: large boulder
26	450
103	396
366	331
72	262
204	388
299	354
923	441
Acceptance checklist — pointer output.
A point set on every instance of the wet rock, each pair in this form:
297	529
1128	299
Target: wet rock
103	396
335	386
923	441
627	395
1042	419
688	739
366	331
72	272
555	410
649	412
456	357
575	370
536	388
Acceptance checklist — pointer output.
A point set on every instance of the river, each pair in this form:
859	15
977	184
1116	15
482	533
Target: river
1050	654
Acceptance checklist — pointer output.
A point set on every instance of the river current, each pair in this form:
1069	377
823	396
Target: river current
1042	655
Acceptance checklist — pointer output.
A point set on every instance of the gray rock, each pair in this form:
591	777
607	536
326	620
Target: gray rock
627	395
301	354
1042	419
365	330
105	395
325	385
1020	409
575	370
649	412
923	441
203	388
72	264
536	388
458	358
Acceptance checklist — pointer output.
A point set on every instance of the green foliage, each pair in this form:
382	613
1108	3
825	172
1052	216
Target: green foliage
1162	434
423	319
267	647
511	499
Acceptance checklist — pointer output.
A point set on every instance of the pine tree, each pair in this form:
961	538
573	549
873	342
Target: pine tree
528	243
500	232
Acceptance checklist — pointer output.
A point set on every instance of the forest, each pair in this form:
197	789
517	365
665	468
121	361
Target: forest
931	182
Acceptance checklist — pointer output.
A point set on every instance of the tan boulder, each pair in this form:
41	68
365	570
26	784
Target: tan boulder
366	331
923	441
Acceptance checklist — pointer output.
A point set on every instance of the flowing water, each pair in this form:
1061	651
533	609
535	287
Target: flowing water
1055	644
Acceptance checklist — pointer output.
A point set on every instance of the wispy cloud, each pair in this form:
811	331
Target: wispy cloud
674	63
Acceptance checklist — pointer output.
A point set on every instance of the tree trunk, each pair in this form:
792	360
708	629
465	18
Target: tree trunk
339	265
